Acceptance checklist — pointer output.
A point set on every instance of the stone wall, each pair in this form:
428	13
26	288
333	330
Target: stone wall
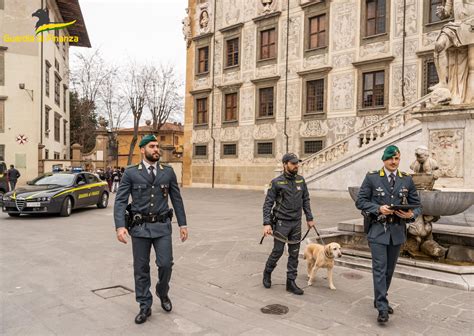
245	177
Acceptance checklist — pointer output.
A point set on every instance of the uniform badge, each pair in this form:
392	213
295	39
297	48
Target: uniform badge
298	188
379	189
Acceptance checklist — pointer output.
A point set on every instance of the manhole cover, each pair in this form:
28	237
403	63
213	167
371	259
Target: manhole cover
275	309
352	276
110	292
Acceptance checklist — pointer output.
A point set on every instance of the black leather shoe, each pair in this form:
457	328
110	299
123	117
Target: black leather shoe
390	309
267	279
383	317
293	288
166	304
142	316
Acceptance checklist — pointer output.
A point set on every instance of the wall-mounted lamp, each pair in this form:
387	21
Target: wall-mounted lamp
30	92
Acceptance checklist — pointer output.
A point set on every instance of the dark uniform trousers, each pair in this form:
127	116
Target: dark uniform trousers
141	267
292	230
384	260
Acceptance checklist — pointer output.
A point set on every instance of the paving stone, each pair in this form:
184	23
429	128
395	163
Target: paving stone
216	286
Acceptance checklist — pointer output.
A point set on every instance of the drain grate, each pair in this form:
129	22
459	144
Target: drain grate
110	292
275	309
352	276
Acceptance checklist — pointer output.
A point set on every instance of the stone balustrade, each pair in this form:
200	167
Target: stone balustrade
361	139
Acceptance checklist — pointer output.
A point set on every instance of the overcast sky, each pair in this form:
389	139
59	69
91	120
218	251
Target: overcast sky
143	30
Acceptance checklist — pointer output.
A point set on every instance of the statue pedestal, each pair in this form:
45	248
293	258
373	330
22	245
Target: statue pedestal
449	131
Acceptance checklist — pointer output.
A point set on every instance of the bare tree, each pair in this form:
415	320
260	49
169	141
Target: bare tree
113	103
87	77
163	98
135	87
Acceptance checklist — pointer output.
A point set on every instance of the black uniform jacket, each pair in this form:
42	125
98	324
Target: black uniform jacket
289	194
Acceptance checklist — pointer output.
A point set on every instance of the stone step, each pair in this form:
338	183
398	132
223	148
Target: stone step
430	265
442	279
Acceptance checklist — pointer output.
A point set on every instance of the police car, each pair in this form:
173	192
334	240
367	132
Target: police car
57	193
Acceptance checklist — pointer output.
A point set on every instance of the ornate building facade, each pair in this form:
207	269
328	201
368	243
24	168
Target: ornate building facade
263	80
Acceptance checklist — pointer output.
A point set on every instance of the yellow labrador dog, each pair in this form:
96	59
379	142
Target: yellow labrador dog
321	256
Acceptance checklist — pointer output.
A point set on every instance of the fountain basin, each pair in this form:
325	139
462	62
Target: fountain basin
446	273
436	202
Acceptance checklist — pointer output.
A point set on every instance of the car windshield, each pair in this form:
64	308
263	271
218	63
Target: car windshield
57	179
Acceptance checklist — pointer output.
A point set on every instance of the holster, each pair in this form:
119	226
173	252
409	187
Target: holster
368	217
129	222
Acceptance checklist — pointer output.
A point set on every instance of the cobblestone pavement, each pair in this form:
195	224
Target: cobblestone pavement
50	265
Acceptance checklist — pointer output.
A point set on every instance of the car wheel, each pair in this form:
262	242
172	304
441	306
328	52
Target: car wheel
103	201
66	208
11	214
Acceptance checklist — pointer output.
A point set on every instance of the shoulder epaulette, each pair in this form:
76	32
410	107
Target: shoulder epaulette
162	166
372	172
133	165
405	174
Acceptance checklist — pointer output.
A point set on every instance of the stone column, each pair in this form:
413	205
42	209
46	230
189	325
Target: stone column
101	146
76	155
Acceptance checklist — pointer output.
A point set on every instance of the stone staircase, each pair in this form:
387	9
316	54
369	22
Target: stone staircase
392	128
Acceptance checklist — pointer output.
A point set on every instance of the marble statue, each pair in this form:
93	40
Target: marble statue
454	54
187	28
420	240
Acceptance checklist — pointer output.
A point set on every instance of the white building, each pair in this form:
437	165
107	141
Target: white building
34	83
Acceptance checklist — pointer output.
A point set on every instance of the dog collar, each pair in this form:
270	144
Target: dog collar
328	255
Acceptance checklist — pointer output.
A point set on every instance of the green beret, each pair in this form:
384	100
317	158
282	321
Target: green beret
146	139
390	152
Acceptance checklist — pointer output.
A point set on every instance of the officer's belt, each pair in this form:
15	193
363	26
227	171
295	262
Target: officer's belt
389	219
153	218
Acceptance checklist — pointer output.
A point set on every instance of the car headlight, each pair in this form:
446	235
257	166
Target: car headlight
6	198
40	199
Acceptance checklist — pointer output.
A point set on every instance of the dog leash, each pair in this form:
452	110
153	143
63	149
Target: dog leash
285	240
319	236
293	242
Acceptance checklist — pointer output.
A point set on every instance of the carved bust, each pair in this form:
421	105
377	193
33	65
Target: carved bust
423	163
426	169
204	20
267	6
